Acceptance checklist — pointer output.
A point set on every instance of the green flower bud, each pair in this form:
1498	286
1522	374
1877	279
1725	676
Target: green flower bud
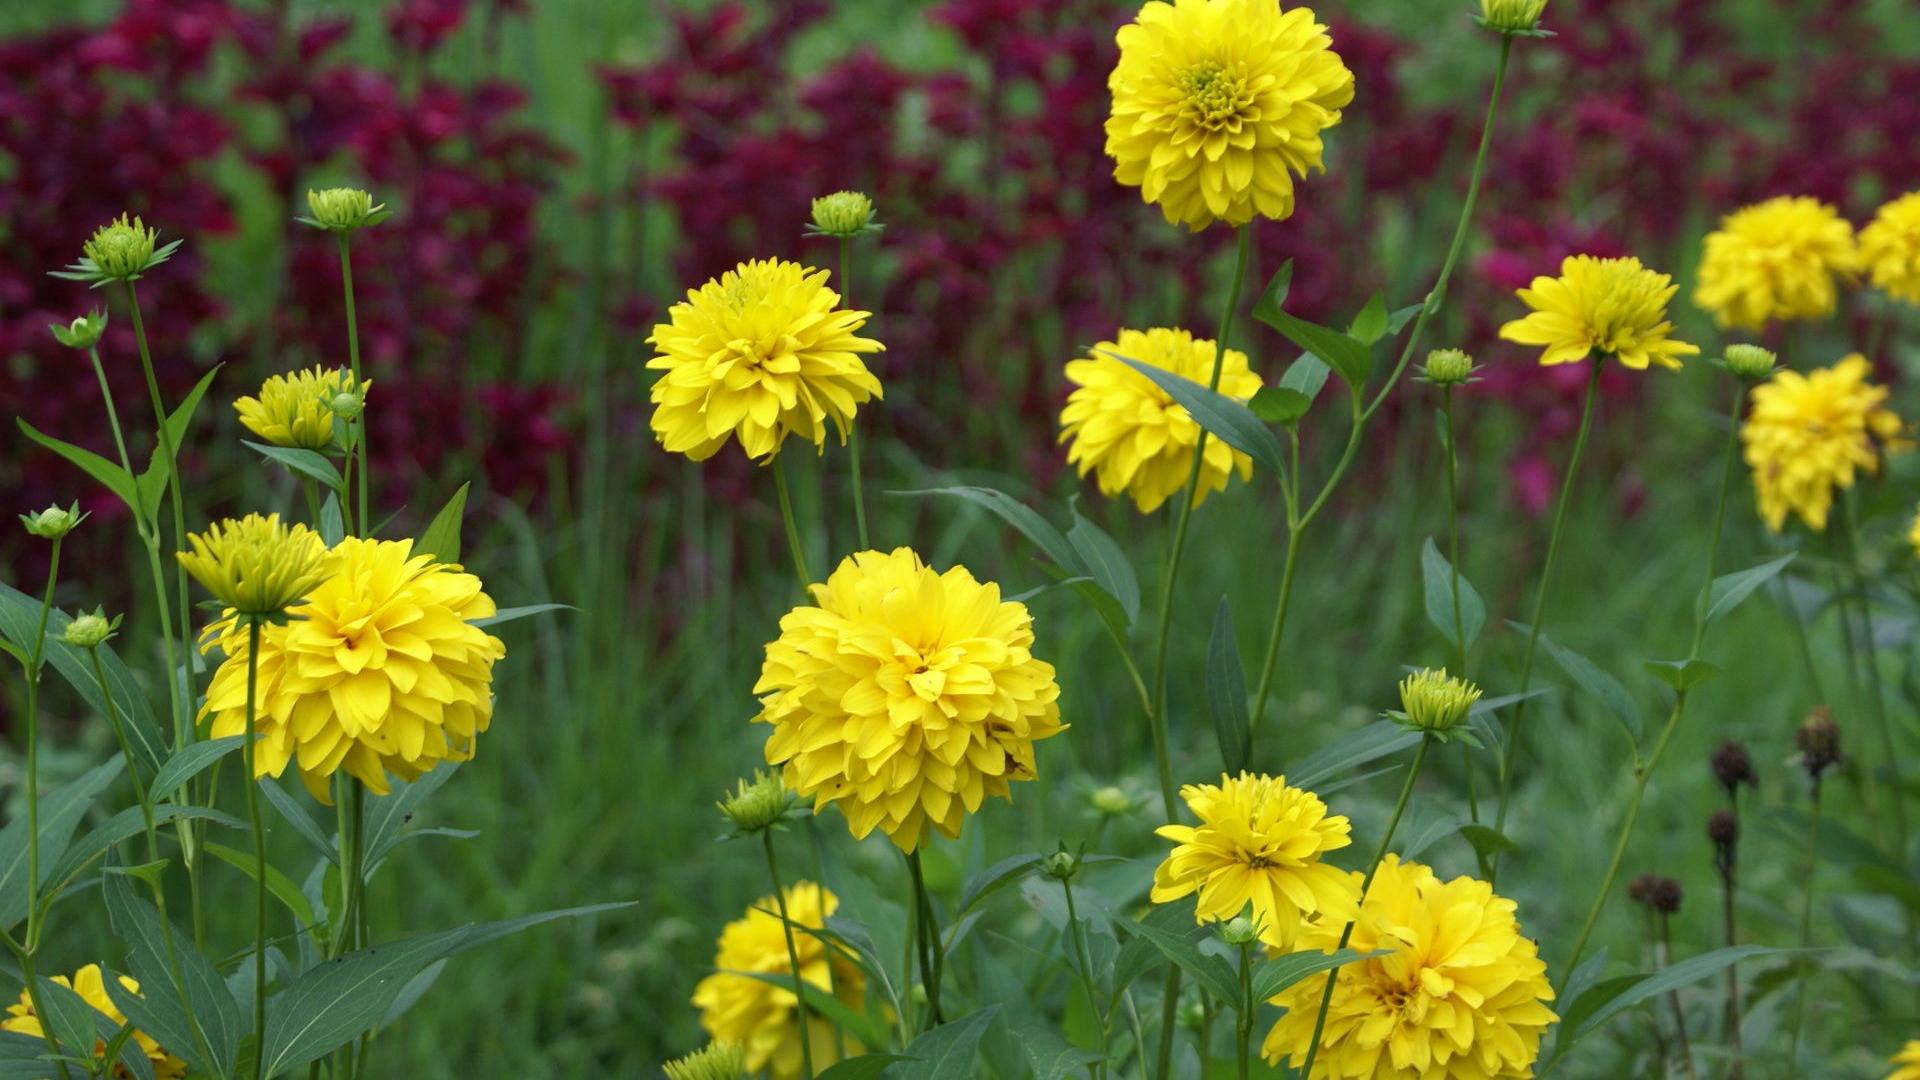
1448	367
1433	702
342	210
1062	865
758	805
1239	930
843	213
53	523
1111	801
1750	361
347	404
90	629
120	250
1192	1015
83	333
1511	16
718	1061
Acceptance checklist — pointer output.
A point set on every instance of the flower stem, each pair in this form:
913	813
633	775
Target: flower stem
1806	933
1085	971
929	935
353	361
793	958
251	781
1663	958
35	661
1243	1020
853	422
1868	658
793	527
1453	533
182	728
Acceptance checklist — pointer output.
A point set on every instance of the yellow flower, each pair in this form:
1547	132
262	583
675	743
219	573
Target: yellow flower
1217	103
383	673
715	1061
91	985
1775	260
1909	1061
1510	16
1890	248
297	409
256	565
1129	432
759	354
1460	995
1259	842
759	1016
1609	307
1806	434
342	210
1433	701
907	696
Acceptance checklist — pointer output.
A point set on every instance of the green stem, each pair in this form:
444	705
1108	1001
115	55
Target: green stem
1243	1020
793	958
353	361
1719	519
793	528
35	660
1272	662
853	424
1085	971
1453	534
182	726
1806	934
1661	961
930	959
24	957
1511	752
1869	658
251	782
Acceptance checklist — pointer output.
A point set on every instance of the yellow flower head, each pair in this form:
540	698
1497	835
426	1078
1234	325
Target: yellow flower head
1259	842
342	210
715	1061
1434	701
121	249
758	1016
1128	431
383	673
1609	307
1909	1061
1217	103
1775	260
1890	248
1460	995
759	354
1806	434
91	985
256	565
297	409
907	696
1511	16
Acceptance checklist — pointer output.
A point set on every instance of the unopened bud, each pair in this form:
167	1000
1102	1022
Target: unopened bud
843	213
1448	367
1192	1015
53	523
1111	801
90	630
1062	865
757	805
342	210
1239	930
83	332
1750	361
1431	701
717	1061
1511	16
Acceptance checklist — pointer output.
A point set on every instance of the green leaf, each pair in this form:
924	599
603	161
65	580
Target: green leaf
1728	590
1681	674
1281	972
1306	375
153	482
1371	324
122	826
1227	693
1017	514
281	886
60	813
1609	690
1051	1056
1223	417
1352	359
1211	972
864	1067
1279	404
296	815
388	814
946	1052
332	525
1370	743
20	618
160	1008
68	1017
1487	840
993	879
1105	561
188	763
442	538
1402	317
856	1023
507	615
1615	996
113	476
1139	956
307	463
1438	573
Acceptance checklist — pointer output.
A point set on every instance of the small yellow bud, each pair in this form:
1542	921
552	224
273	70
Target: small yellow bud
90	629
843	213
757	805
83	332
1448	367
717	1061
1433	702
1750	361
342	210
1511	16
53	523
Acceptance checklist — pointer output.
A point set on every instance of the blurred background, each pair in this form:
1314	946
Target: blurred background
562	170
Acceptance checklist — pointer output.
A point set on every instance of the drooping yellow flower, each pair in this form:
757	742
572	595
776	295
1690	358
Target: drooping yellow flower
758	1016
297	409
1259	842
760	354
1806	434
383	673
1217	103
1460	995
91	985
1131	434
906	696
1890	248
1608	307
1909	1061
1775	260
256	565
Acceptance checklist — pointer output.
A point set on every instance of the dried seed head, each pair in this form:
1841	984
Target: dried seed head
1733	766
1819	741
1723	828
1662	894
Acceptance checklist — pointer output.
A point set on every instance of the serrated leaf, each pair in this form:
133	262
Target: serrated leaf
442	538
1728	590
1105	561
946	1052
1351	359
1030	524
1225	418
1370	743
1279	404
112	476
1227	693
1371	324
309	464
1281	972
1438	575
1681	674
188	763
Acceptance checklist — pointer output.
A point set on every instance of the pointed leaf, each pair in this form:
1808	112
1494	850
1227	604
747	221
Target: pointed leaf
1275	975
1306	376
864	1067
1615	996
306	463
442	538
1105	561
946	1052
1211	972
1227	693
388	814
332	524
160	1009
1017	514
60	813
1353	360
1370	743
281	886
1402	317
1438	573
1371	324
994	878
153	482
1729	590
1487	840
1225	418
1607	689
507	615
20	618
112	476
189	762
1279	404
1681	674
1051	1056
296	815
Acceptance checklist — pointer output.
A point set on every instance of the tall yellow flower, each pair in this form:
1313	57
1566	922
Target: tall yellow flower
1217	103
297	409
1128	431
1909	1061
1259	842
906	696
1806	434
1600	307
256	565
1460	995
1890	248
384	672
759	1016
1775	260
760	354
91	985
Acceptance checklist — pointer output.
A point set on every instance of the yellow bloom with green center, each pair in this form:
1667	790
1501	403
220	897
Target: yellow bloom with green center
1908	1060
1600	307
1807	434
90	983
906	696
1461	994
1259	842
297	409
122	248
1890	248
760	1017
384	672
1218	103
256	565
1434	701
758	355
1131	435
1779	259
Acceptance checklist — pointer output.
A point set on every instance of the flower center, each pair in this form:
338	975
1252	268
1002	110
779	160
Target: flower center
1214	99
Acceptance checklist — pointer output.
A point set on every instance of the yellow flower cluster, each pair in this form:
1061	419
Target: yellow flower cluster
1217	103
1460	994
91	985
1259	842
1806	434
1131	435
297	409
1890	248
256	565
906	696
760	1017
383	673
1909	1061
1598	308
1776	260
